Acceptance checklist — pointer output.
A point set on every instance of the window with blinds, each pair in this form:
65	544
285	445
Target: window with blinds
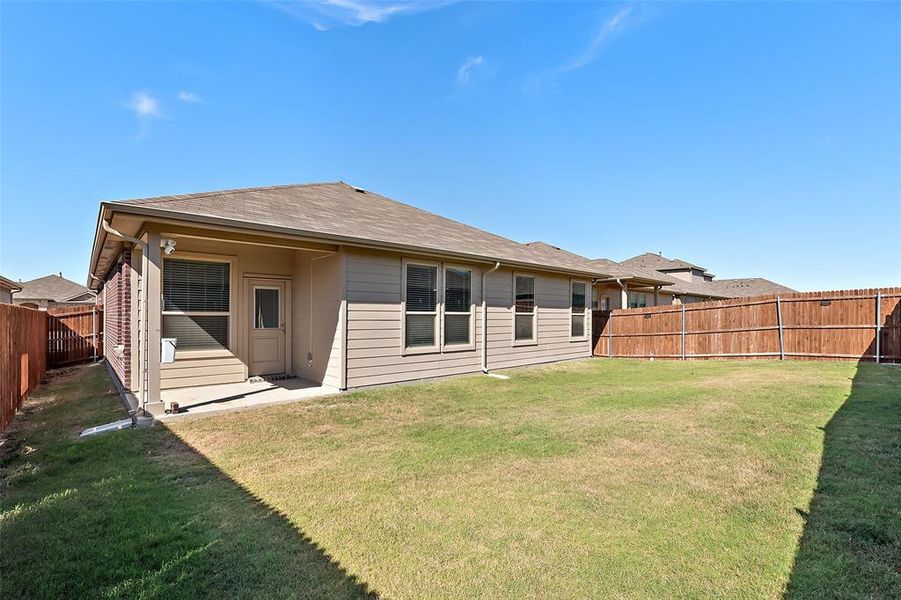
421	305
457	306
577	301
196	303
524	308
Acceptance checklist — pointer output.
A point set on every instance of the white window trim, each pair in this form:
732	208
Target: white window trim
586	312
637	295
534	340
471	345
439	333
232	291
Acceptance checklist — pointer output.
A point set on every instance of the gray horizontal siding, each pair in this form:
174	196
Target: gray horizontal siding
374	325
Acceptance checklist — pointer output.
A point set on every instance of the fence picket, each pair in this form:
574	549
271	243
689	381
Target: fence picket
803	325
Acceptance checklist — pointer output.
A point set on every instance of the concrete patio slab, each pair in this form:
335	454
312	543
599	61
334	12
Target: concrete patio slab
211	399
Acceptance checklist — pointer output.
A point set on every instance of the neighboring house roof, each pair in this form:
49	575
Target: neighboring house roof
9	284
649	260
637	274
753	286
52	287
340	212
698	288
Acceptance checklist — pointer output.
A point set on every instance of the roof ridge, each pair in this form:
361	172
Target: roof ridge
212	194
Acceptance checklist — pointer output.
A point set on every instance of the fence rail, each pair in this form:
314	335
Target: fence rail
23	356
74	334
848	324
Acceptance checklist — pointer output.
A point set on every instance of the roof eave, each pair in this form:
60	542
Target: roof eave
114	207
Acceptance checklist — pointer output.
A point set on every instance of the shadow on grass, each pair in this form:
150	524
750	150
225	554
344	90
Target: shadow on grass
139	513
851	545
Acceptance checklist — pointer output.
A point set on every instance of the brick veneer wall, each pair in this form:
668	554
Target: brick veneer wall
117	315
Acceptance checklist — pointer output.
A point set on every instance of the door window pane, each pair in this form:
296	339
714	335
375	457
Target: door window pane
265	312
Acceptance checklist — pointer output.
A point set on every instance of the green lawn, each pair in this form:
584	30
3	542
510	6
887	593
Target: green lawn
589	479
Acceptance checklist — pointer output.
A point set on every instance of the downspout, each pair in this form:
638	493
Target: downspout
144	343
485	274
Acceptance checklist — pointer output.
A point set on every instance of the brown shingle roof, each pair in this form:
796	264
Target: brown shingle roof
752	286
340	211
633	272
51	287
9	284
649	260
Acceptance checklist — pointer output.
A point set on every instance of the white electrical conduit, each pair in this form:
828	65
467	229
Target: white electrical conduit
485	274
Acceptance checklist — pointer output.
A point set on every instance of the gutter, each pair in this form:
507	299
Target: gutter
485	274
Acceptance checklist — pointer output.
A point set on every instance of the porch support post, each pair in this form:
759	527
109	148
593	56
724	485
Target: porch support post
624	296
656	295
153	264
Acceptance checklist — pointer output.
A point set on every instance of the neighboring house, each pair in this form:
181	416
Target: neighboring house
52	290
327	282
7	288
693	283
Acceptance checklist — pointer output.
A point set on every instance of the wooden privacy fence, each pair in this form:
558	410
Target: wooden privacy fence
23	356
840	325
74	334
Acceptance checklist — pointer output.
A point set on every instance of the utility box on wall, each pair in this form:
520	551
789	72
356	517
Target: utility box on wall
167	350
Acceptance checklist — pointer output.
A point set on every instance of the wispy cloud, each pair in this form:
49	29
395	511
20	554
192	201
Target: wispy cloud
327	14
146	108
465	70
189	97
609	29
144	105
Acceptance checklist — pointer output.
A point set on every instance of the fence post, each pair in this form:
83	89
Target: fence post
781	334
610	335
683	331
94	329
878	323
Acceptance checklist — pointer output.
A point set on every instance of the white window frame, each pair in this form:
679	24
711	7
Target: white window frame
232	295
439	333
534	339
471	344
586	312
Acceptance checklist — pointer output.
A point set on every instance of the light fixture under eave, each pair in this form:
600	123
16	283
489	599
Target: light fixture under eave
168	245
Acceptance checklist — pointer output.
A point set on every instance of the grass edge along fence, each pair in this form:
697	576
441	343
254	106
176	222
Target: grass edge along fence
23	356
832	325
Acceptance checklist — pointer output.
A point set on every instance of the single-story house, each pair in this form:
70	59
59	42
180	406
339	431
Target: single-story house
7	288
327	282
51	291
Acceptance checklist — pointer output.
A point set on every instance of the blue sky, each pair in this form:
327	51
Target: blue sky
755	139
